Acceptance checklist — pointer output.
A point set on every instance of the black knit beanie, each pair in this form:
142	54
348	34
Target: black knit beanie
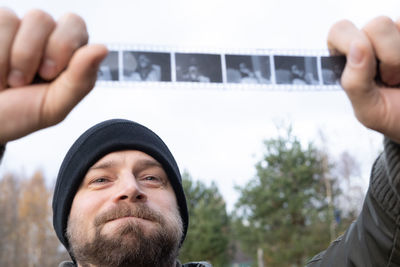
100	140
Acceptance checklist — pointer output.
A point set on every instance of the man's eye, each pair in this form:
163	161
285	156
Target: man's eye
100	180
151	178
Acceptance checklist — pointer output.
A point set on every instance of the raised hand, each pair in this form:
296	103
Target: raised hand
371	51
56	52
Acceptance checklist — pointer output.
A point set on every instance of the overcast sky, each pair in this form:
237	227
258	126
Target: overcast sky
215	134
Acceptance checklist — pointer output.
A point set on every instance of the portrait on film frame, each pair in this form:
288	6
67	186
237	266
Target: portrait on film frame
108	70
143	66
248	69
332	68
204	68
296	70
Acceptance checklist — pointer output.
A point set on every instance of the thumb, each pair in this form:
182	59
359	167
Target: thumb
72	85
358	81
359	73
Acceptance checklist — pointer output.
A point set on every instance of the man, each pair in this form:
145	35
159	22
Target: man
145	70
120	180
297	75
118	192
193	73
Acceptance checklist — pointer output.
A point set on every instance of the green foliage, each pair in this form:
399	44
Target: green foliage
208	235
284	210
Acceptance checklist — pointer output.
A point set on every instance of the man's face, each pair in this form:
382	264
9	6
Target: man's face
125	213
296	71
193	72
130	62
144	61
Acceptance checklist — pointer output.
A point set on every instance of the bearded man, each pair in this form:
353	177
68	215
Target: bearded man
118	199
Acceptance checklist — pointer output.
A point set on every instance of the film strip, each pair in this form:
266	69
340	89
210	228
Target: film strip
269	69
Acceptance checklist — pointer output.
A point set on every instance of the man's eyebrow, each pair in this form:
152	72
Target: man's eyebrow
103	165
149	163
111	163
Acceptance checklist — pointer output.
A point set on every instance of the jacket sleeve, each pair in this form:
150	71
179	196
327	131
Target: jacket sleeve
374	238
2	149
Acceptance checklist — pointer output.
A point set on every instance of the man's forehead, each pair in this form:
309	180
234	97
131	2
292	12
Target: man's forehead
129	156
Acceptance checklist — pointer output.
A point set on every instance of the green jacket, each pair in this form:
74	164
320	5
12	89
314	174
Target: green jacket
373	240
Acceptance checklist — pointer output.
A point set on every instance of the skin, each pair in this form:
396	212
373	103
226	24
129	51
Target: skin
57	52
376	107
124	178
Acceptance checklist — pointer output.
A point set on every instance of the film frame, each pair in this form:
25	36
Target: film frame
244	69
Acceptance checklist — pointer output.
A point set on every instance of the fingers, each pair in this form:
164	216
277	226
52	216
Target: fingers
379	41
37	44
385	39
358	75
72	85
9	23
68	36
28	47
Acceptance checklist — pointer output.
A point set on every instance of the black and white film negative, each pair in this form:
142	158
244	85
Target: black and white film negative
263	68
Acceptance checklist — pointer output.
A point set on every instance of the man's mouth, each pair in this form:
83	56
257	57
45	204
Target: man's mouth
143	214
130	217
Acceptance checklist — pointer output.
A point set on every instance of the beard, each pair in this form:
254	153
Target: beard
129	244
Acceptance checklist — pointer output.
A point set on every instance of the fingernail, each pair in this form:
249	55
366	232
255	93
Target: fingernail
16	78
355	54
48	68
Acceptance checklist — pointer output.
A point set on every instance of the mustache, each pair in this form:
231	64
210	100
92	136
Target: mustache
141	211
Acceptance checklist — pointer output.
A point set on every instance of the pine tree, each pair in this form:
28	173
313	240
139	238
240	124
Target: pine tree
283	211
208	235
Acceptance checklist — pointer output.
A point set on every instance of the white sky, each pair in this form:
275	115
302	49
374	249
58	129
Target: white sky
214	134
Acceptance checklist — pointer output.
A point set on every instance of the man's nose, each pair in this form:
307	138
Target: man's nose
128	189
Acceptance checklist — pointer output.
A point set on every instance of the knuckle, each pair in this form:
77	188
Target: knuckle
383	20
74	18
366	120
40	16
65	47
378	24
77	27
8	15
349	85
341	25
352	83
22	58
338	29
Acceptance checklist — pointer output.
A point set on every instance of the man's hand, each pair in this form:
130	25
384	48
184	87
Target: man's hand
375	106
37	46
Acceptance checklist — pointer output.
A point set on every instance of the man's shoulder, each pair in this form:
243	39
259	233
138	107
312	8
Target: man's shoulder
190	264
197	264
67	264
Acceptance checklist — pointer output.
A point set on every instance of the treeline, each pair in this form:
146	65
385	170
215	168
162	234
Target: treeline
27	236
297	203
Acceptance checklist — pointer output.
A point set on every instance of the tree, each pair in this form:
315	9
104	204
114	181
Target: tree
283	211
28	238
208	234
349	203
9	194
